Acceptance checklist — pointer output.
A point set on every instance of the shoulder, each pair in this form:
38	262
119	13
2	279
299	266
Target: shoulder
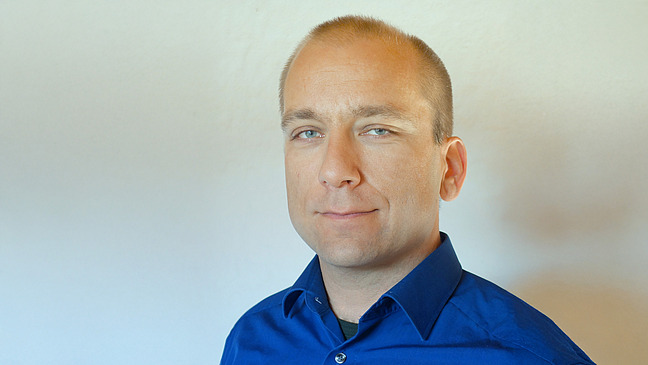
480	298
256	322
497	311
512	322
268	307
274	301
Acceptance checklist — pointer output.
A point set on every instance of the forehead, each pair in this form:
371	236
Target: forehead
349	75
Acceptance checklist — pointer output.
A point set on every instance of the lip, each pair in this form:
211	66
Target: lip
346	214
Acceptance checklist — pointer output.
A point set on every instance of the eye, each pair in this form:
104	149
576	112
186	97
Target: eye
377	132
309	134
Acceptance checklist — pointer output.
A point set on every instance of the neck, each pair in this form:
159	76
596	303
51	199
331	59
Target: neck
353	290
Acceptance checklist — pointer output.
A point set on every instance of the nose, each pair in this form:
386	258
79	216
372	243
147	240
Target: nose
340	165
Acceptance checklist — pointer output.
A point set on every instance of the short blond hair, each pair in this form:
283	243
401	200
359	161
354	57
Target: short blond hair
435	81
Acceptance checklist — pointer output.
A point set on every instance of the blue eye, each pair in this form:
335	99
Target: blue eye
377	132
309	134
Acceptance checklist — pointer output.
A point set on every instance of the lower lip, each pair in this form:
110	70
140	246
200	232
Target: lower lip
347	216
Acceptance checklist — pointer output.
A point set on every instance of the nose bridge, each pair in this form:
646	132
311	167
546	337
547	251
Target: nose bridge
340	164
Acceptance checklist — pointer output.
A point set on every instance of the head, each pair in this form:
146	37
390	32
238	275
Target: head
433	81
367	120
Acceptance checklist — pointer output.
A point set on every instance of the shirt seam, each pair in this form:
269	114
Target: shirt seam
498	337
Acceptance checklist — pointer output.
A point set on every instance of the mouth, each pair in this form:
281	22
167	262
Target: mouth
347	214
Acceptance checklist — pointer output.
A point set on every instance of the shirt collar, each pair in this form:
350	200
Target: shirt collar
425	290
422	294
309	283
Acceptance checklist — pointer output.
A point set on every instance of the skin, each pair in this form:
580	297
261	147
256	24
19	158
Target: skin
363	173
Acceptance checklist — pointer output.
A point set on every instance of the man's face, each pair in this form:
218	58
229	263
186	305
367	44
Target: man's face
362	170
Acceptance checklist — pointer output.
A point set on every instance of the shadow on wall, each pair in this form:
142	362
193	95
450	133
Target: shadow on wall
609	324
566	173
572	181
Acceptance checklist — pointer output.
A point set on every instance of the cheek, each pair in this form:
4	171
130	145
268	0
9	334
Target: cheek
292	185
297	183
408	181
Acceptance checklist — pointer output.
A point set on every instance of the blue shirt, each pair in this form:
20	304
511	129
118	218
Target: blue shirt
438	314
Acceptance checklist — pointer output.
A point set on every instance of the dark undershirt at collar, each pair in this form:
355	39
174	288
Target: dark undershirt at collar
349	329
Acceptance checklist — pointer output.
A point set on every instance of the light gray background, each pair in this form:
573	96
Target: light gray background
142	203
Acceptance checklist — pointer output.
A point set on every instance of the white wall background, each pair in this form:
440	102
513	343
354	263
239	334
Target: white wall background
142	204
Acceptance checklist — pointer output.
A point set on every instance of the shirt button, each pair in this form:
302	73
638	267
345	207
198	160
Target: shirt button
340	358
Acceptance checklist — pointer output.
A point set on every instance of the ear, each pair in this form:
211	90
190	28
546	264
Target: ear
454	153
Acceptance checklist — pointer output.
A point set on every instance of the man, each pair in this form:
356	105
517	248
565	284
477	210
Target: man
367	120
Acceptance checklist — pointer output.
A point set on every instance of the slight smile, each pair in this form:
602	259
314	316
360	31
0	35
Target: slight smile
347	215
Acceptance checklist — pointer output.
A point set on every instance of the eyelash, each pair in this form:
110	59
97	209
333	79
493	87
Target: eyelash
299	133
385	131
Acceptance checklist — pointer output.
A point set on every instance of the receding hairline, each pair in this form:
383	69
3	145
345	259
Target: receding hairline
435	81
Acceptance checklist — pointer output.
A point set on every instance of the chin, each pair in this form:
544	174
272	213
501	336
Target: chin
346	254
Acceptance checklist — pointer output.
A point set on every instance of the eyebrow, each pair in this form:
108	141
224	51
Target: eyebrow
296	115
378	110
365	111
